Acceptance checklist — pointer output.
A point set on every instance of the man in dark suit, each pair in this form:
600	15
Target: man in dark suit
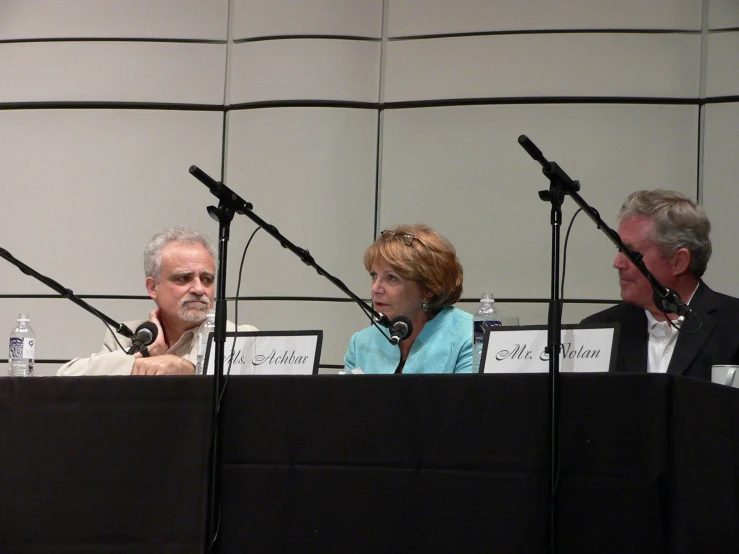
672	234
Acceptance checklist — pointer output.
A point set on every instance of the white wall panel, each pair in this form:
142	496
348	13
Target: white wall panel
543	65
461	170
721	194
310	172
723	64
723	14
305	69
424	17
260	18
193	19
113	71
92	186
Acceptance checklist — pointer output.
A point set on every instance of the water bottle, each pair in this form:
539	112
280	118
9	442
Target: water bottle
205	330
22	349
487	315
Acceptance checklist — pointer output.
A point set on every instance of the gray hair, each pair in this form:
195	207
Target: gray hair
153	250
678	222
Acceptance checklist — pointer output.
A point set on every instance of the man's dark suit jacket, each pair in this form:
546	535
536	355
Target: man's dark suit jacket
715	343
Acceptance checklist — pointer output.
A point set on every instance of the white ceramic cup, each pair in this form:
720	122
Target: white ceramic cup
725	375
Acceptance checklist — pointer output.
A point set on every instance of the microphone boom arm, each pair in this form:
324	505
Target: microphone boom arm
555	173
240	206
121	328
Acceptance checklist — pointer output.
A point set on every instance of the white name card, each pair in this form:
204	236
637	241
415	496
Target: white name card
268	353
585	349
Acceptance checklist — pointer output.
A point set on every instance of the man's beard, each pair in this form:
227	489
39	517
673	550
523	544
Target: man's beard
193	309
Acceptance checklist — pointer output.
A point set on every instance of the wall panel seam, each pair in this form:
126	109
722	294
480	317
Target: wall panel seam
399	105
226	94
112	39
380	119
547	32
703	81
269	38
107	105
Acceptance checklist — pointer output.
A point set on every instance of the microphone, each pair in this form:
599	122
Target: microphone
550	169
222	192
400	328
532	150
145	334
670	302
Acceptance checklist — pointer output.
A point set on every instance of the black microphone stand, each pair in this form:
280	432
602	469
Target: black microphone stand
224	214
560	185
230	204
120	328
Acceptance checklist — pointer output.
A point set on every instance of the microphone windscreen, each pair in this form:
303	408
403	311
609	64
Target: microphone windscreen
402	325
147	332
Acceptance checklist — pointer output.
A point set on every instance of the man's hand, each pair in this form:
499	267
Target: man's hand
166	364
159	346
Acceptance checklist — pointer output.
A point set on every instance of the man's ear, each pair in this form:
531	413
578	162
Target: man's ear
151	287
681	261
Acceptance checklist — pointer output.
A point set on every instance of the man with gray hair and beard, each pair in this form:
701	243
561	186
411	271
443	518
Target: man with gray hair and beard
180	274
672	233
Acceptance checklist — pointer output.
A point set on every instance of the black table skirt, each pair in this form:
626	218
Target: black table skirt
649	463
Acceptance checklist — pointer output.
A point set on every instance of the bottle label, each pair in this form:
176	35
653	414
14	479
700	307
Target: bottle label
16	347
22	348
480	326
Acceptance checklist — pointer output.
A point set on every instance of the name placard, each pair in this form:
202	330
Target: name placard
585	349
268	353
